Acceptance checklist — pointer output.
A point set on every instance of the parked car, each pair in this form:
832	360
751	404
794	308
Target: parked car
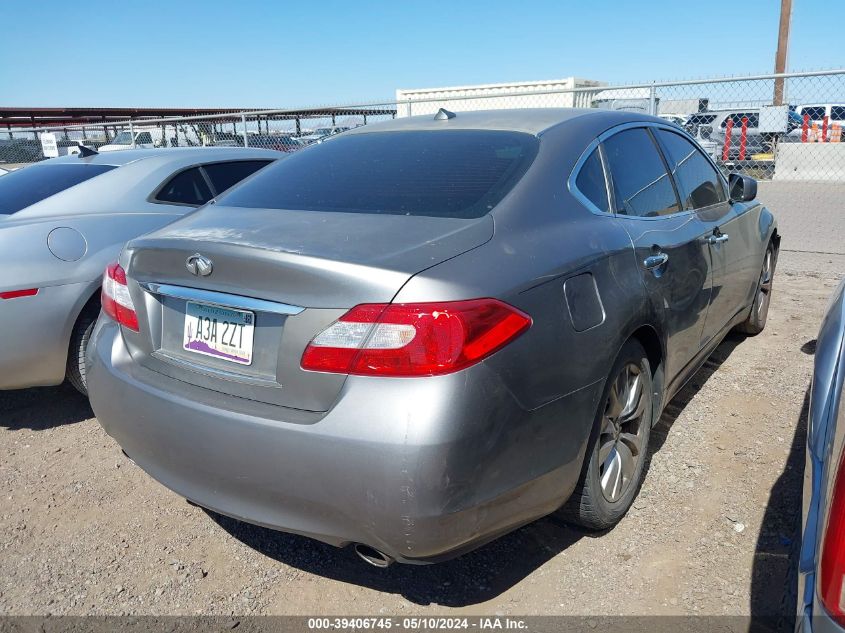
63	219
821	567
674	119
430	331
321	133
123	140
278	142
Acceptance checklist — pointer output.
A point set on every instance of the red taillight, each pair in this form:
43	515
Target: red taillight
414	339
115	298
832	574
14	294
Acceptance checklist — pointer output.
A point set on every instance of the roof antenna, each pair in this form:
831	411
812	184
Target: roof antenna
444	115
85	152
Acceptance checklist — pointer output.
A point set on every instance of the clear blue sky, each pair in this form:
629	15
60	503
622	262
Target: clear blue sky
284	54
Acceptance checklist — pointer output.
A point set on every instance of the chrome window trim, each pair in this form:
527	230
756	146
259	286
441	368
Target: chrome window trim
573	189
222	299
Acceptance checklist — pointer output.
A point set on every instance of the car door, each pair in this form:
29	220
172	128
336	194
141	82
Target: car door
729	229
668	241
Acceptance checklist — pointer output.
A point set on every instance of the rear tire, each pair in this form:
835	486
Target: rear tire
78	346
756	321
615	460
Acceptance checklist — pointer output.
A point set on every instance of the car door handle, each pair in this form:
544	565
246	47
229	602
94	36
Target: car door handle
718	239
653	261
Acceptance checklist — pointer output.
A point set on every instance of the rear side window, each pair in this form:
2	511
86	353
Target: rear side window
186	187
144	138
641	185
23	187
697	179
226	175
447	173
837	113
590	182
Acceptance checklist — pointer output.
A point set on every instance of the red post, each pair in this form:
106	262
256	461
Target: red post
743	138
804	127
726	150
824	129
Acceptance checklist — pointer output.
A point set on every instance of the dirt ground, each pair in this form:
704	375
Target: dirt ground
84	531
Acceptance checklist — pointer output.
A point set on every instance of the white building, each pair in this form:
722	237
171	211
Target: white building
522	94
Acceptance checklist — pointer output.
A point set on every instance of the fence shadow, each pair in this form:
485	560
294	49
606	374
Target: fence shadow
43	408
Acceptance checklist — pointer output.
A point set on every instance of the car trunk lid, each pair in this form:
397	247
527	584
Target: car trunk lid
292	272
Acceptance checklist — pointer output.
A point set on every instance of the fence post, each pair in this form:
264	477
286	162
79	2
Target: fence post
409	107
132	133
243	120
652	101
726	149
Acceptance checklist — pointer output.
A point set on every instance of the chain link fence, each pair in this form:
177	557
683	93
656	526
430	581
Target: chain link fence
772	127
784	130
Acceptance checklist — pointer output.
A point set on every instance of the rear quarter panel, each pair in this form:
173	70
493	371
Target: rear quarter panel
825	442
39	328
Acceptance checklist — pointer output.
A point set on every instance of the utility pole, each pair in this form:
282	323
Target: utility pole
783	48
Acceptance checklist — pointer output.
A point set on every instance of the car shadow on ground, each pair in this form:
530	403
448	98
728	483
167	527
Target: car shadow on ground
774	574
475	577
43	408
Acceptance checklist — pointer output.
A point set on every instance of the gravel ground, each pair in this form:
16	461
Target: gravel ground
84	531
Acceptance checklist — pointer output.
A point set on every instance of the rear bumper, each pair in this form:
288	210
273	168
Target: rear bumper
36	334
420	469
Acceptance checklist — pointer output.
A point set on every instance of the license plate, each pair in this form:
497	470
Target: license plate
219	332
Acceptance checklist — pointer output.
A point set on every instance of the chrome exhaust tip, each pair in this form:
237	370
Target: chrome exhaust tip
373	556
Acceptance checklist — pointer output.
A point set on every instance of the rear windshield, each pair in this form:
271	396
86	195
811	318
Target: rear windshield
23	187
449	173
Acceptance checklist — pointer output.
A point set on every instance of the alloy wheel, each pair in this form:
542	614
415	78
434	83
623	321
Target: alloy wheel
622	431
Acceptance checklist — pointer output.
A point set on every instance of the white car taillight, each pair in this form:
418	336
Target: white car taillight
115	298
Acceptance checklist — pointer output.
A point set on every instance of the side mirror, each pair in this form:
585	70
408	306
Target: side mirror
742	188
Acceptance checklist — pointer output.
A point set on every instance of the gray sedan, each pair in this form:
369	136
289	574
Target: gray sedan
63	220
821	571
424	333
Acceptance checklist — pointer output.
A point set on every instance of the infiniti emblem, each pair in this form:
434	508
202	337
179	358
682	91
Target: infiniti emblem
199	265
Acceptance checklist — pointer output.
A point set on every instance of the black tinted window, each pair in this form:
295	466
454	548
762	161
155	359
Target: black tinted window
641	185
753	119
145	138
816	113
697	179
453	173
837	113
187	187
23	187
590	181
225	175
